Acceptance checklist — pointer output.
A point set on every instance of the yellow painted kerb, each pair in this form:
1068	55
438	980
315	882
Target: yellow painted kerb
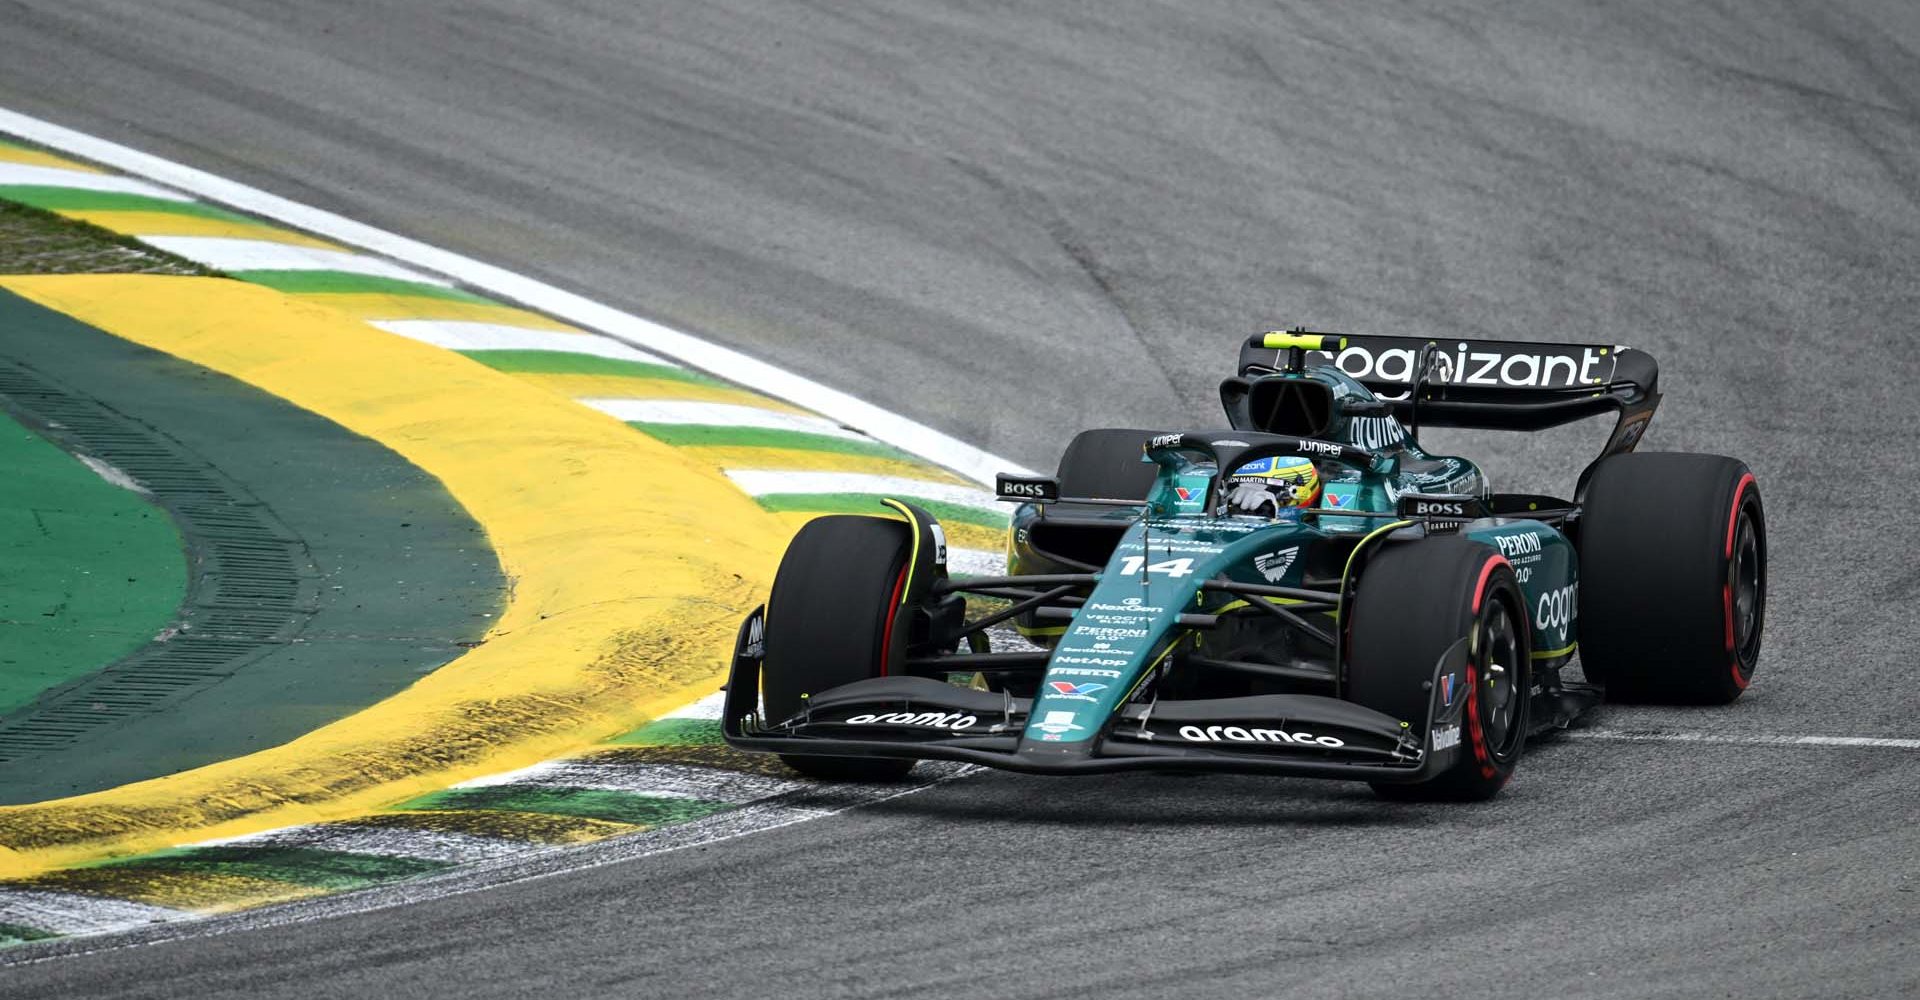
630	568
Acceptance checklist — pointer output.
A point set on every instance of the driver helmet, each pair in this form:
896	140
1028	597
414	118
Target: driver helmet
1269	487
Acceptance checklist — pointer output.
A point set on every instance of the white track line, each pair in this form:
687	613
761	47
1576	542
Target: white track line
976	562
226	253
73	913
681	411
466	336
736	366
37	176
408	842
1732	739
761	482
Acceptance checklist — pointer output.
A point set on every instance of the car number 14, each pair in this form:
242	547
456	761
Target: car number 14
1176	568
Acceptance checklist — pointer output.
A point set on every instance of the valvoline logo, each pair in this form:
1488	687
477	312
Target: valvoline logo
1184	493
1069	689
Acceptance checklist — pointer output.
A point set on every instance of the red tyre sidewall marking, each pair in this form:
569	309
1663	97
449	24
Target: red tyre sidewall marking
1726	593
1477	735
893	613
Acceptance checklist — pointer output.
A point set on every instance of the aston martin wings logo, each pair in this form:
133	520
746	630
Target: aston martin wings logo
1274	565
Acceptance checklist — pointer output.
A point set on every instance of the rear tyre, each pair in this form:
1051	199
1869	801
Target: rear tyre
830	622
1673	578
1414	602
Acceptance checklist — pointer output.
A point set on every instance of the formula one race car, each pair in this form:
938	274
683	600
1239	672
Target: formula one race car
1308	592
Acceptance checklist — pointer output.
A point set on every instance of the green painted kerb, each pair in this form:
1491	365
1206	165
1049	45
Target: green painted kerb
89	571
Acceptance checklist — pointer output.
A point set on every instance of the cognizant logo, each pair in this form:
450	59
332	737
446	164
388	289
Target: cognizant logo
1465	366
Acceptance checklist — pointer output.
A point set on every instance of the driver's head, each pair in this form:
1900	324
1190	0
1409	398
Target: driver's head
1266	487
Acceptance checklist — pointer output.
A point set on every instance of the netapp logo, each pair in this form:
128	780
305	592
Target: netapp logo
1091	661
1237	734
933	720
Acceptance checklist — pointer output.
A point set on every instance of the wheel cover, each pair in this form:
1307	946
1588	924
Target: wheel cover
1500	690
1749	587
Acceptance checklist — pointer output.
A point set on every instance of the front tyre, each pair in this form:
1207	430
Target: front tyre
1673	578
831	621
1416	601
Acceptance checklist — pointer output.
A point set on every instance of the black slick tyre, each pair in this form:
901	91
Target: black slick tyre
1414	602
1673	578
830	621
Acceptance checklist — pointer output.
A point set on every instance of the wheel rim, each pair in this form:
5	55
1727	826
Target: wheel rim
1749	586
1500	696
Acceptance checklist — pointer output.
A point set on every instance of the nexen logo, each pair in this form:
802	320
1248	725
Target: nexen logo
1238	734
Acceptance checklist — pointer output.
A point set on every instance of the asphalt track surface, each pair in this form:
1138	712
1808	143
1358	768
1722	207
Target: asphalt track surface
1010	222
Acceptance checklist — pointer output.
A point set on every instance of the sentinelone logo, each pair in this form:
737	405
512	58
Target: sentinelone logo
1516	366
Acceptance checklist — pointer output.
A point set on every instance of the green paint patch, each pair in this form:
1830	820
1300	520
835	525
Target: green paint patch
533	828
673	733
593	803
21	934
867	503
322	282
708	436
334	870
34	240
570	363
66	199
89	571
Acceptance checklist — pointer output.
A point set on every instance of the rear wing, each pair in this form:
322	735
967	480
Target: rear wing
1492	384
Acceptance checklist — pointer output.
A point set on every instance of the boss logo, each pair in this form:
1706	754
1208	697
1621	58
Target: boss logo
1020	488
1439	507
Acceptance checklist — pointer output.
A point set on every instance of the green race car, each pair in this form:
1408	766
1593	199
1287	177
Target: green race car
1306	592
